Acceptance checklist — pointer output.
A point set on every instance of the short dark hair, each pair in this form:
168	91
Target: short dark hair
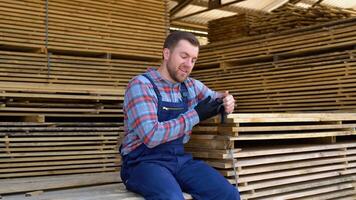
176	36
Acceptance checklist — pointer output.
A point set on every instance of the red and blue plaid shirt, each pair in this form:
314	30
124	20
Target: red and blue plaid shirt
140	111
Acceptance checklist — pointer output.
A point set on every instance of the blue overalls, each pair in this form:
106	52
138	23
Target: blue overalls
162	172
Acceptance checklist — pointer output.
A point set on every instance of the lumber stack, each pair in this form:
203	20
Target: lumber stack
320	82
69	70
22	24
287	17
31	99
248	148
308	69
290	16
63	70
64	66
64	86
31	149
339	34
121	28
298	172
227	28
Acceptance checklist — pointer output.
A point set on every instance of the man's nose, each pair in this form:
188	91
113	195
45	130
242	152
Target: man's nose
189	62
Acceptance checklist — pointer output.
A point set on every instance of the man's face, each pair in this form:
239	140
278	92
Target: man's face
181	60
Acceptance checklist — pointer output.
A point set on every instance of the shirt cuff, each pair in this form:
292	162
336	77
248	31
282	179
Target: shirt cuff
192	119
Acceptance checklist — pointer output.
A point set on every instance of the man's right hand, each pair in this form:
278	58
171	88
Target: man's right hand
208	108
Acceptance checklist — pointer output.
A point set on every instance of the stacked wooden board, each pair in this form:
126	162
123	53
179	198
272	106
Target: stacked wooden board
287	17
70	70
63	70
308	69
339	34
230	27
23	24
248	148
123	28
307	83
64	85
31	149
108	187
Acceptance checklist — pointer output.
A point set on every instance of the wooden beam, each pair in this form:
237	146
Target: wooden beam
207	9
188	25
180	6
317	3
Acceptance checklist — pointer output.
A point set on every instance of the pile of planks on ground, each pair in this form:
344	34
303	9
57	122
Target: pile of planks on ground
116	27
286	17
312	69
280	155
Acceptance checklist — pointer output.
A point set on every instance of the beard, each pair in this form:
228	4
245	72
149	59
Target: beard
175	73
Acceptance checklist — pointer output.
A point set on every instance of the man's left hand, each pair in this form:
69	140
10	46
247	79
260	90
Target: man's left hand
228	101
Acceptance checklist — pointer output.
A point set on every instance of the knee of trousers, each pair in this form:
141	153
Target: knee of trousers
225	192
230	193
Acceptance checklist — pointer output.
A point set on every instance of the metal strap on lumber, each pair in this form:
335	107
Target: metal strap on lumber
233	166
48	53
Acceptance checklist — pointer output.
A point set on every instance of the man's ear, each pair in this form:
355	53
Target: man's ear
166	53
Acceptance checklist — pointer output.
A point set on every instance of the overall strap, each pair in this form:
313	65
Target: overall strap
183	90
158	94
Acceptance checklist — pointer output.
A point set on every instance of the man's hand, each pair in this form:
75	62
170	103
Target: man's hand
228	102
207	108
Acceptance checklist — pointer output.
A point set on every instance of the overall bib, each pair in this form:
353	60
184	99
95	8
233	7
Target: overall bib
162	172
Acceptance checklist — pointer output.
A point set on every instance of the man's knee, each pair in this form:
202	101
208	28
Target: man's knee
229	193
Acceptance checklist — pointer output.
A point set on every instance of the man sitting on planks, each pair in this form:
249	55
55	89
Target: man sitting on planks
161	107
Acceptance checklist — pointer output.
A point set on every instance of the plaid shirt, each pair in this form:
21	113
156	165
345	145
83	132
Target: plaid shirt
140	111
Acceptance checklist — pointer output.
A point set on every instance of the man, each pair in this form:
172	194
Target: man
161	107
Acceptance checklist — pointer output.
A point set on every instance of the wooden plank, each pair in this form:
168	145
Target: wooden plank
62	181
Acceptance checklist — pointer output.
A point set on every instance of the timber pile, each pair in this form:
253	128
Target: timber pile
69	70
269	170
31	149
63	71
287	17
23	24
64	85
332	35
227	28
31	99
308	83
119	28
